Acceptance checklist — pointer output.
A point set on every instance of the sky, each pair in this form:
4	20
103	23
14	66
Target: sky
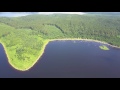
18	14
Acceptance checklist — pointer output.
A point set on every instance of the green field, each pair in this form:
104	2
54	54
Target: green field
118	36
25	38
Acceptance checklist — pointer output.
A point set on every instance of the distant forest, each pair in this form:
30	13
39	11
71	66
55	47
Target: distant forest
105	28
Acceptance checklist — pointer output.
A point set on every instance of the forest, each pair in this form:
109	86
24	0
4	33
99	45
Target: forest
24	38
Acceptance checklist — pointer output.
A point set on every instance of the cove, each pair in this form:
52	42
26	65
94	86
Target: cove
68	59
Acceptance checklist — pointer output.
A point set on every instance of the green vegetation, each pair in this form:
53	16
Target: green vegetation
118	36
103	47
25	38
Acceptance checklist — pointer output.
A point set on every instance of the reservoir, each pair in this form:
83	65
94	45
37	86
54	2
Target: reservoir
68	59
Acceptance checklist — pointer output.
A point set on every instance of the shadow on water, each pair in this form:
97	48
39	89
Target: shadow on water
68	59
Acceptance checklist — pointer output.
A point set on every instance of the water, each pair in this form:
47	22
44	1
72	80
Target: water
69	59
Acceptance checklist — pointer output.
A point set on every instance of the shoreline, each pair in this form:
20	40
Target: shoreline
77	39
41	52
8	56
40	55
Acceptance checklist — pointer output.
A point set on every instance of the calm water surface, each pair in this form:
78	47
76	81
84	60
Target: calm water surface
68	59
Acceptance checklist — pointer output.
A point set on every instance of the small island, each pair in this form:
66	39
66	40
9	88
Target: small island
103	47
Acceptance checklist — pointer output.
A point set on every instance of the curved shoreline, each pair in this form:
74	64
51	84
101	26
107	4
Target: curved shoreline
8	56
72	39
40	55
43	49
9	61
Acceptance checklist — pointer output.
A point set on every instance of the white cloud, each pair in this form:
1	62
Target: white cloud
13	14
47	13
19	14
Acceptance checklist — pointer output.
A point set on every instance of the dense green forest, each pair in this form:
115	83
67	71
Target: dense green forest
24	38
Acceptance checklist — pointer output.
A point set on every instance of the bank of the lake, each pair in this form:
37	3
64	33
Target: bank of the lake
41	52
17	68
103	42
9	60
43	49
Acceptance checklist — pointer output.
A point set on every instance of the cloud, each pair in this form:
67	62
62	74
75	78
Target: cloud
47	13
16	14
19	14
13	14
